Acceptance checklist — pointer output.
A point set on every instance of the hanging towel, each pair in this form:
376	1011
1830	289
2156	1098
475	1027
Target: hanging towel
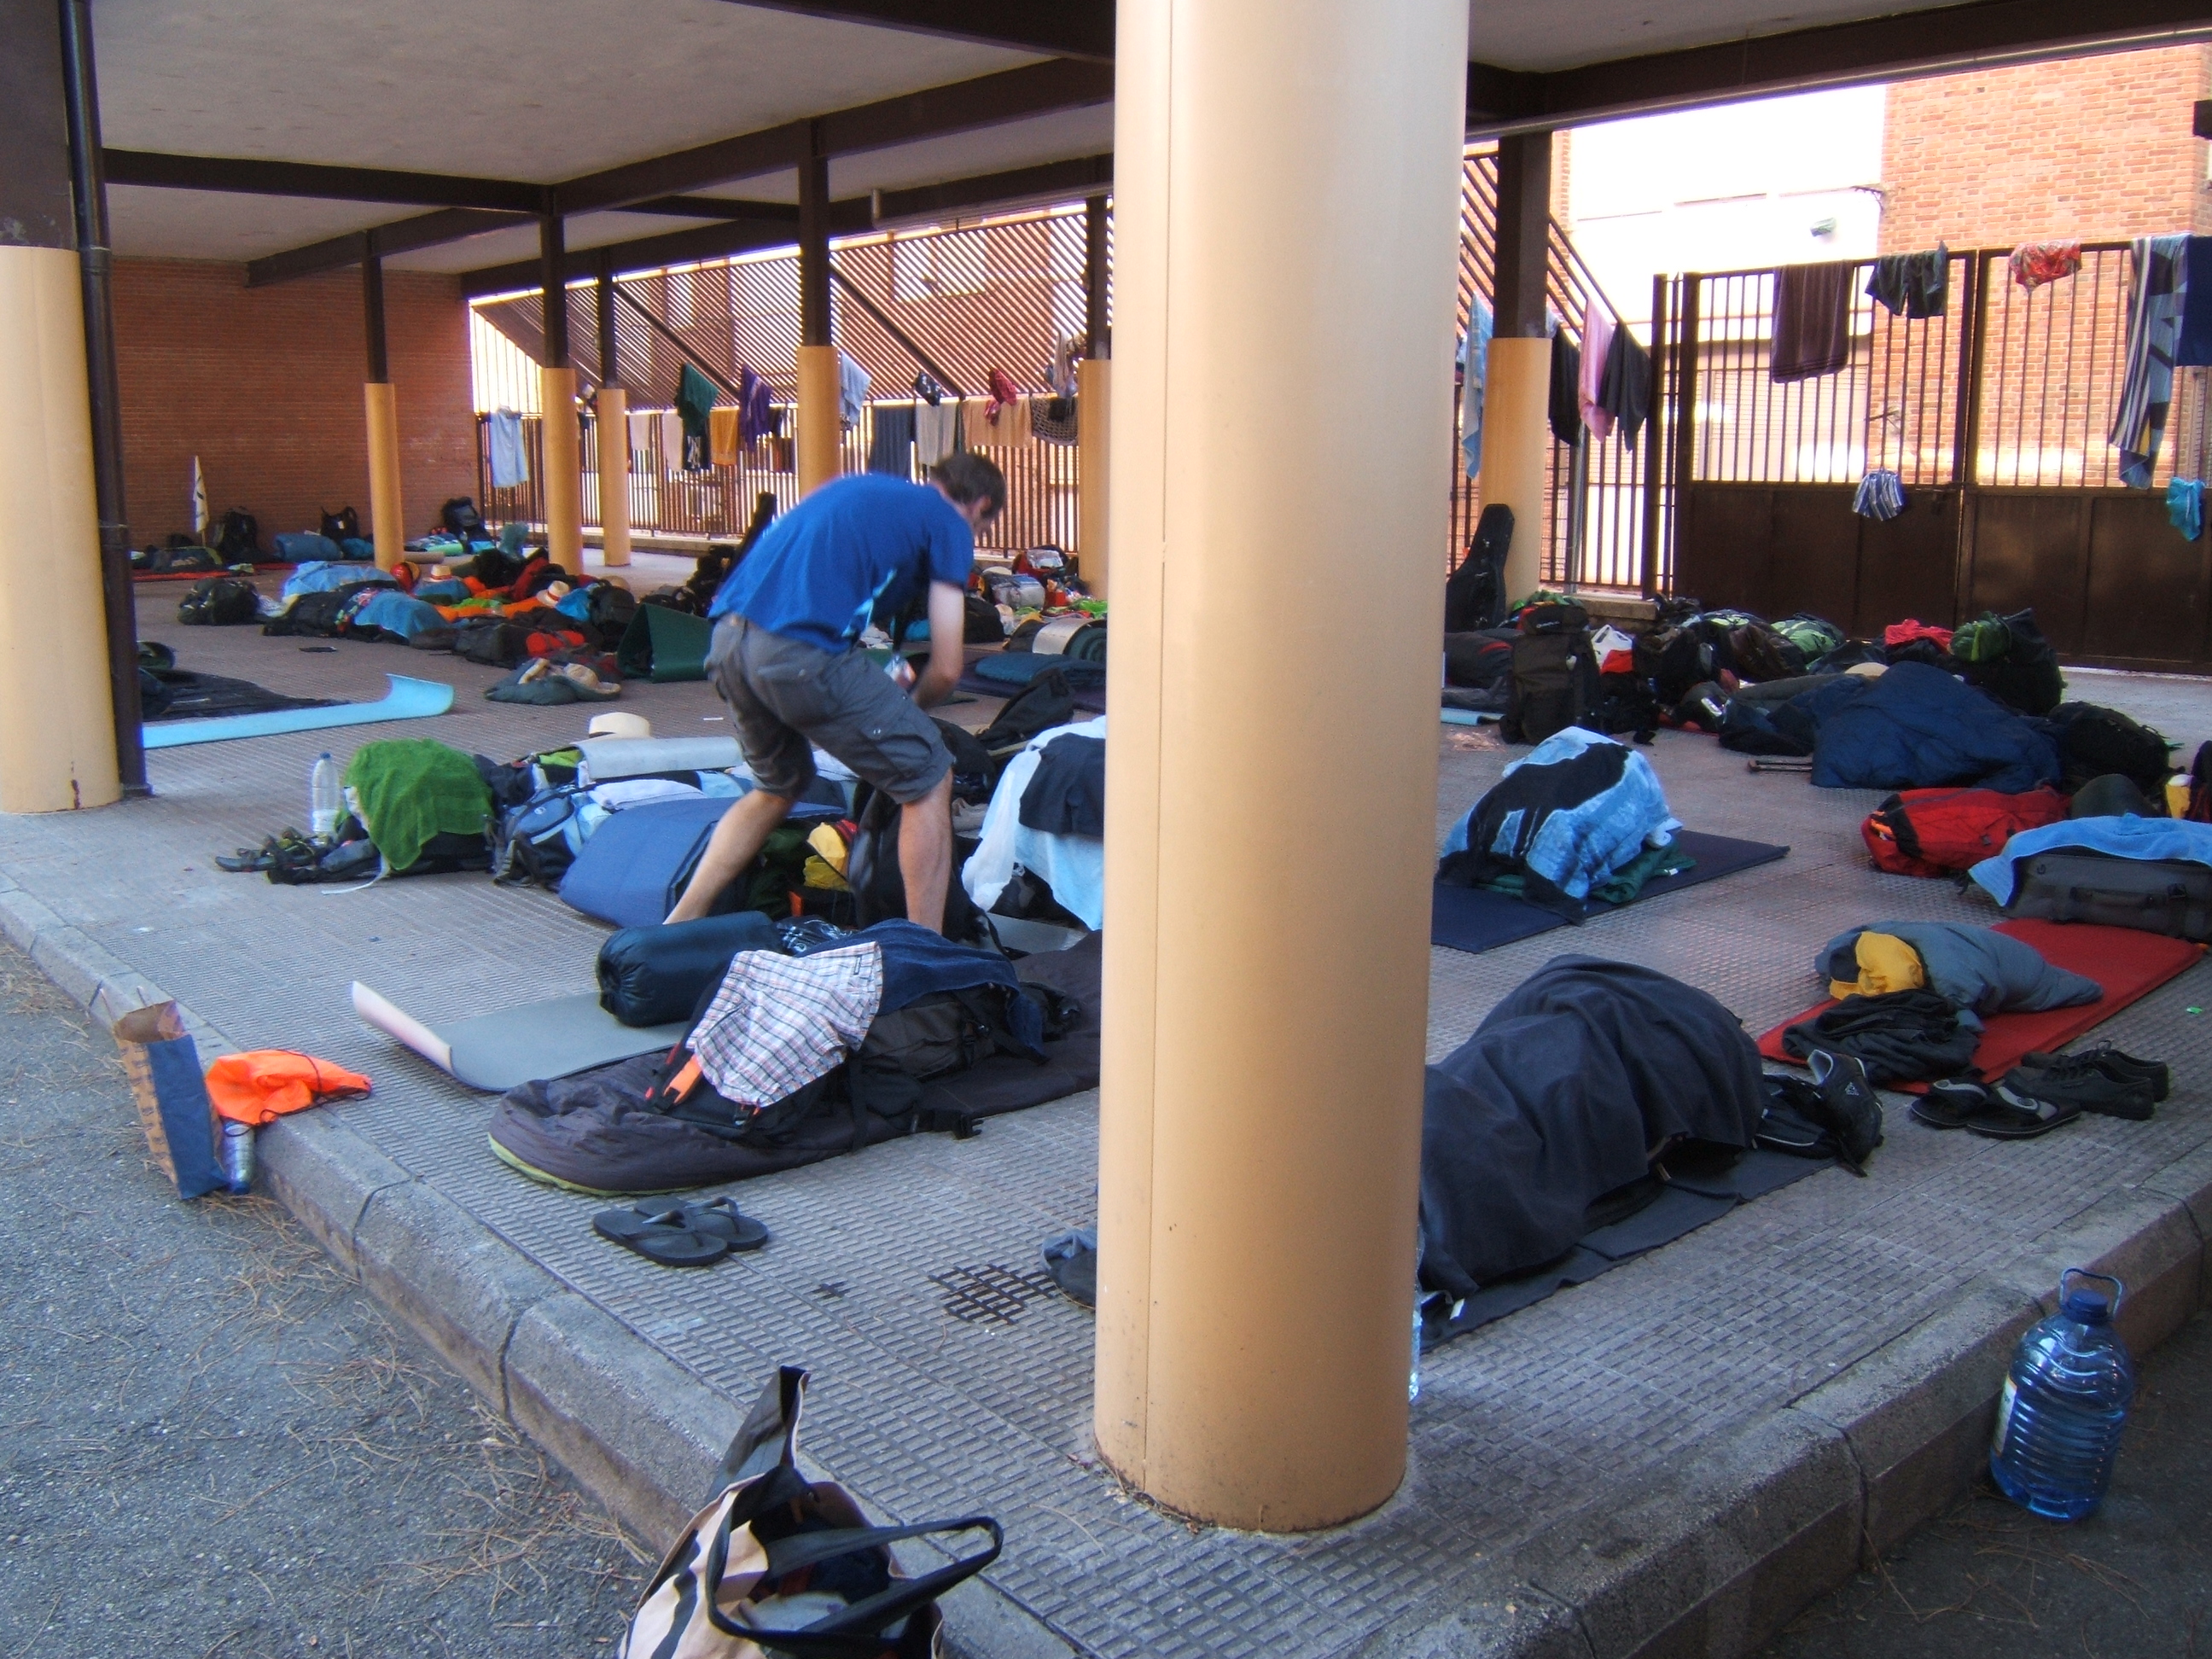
936	431
642	422
509	465
1474	364
1912	284
2155	301
695	398
722	436
1565	410
2034	263
2195	347
672	441
975	423
2185	506
1625	393
892	451
1597	344
756	415
1812	320
852	390
1881	496
1014	427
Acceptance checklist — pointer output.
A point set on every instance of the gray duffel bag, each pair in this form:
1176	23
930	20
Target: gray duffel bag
2158	896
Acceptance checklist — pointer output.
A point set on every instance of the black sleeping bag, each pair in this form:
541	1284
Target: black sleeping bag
1564	1093
654	976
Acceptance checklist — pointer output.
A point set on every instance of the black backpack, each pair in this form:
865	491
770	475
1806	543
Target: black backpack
316	615
610	609
459	516
342	525
1475	595
1044	702
240	540
220	601
1671	660
1555	679
871	869
2025	676
2094	743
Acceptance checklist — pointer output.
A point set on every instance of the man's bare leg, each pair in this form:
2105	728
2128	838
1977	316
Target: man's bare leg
731	849
926	855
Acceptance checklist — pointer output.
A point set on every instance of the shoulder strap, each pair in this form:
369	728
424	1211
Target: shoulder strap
855	1633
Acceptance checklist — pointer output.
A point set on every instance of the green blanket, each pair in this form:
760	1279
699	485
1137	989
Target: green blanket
662	644
1623	885
412	789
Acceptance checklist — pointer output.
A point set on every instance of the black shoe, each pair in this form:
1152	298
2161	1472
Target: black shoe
2126	1068
1854	1112
2077	1080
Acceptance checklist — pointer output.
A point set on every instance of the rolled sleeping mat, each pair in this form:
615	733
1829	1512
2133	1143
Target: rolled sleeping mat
1078	639
656	975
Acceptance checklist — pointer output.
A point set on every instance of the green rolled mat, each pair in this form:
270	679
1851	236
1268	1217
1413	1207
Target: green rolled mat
662	644
1089	645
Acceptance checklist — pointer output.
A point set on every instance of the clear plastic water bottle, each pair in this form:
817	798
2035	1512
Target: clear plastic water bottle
235	1155
2064	1403
325	800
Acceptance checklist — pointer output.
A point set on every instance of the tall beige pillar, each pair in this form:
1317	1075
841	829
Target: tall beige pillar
1094	402
819	428
56	711
614	477
387	519
563	483
1287	181
1516	440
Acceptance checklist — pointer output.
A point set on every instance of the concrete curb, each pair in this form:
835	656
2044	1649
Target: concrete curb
1709	1555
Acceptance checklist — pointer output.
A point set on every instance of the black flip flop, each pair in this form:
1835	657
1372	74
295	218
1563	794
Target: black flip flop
721	1216
1072	1259
2008	1117
1950	1103
661	1235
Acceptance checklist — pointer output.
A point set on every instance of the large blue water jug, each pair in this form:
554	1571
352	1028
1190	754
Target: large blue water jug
2065	1401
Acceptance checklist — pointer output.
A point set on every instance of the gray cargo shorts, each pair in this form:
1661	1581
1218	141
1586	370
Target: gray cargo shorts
785	696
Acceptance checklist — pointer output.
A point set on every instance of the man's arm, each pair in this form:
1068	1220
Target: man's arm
948	634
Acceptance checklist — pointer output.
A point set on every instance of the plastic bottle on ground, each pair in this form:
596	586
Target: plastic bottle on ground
2065	1401
236	1156
325	800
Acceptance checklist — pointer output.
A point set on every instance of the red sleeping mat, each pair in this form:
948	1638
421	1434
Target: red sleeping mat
2127	963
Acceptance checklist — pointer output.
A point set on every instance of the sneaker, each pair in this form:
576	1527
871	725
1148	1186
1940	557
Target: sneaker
2078	1080
1854	1112
2126	1068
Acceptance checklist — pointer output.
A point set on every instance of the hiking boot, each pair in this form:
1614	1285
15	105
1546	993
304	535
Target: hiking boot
2152	1074
2079	1081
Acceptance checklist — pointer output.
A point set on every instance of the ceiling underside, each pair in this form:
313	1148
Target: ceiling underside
543	92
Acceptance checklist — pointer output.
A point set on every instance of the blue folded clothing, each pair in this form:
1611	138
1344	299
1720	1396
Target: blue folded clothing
2151	839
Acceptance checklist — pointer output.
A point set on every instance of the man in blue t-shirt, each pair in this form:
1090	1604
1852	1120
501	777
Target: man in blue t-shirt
783	658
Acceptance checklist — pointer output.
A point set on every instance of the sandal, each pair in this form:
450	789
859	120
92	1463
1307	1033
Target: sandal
2009	1114
720	1215
1951	1102
661	1235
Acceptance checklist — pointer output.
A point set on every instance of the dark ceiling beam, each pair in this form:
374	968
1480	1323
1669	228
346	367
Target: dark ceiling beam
989	101
1051	182
676	247
1062	28
251	176
403	236
1946	39
714	207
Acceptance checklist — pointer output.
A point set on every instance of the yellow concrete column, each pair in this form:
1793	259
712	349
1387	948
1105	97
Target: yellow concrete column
614	477
1286	182
387	519
563	485
1516	440
819	428
57	710
1094	404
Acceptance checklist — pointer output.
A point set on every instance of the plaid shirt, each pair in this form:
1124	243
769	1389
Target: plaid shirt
779	1021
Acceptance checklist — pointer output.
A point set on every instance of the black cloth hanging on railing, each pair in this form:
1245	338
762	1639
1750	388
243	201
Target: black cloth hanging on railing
1812	320
1913	285
1566	407
1625	393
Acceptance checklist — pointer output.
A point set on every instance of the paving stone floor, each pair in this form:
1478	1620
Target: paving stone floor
948	1377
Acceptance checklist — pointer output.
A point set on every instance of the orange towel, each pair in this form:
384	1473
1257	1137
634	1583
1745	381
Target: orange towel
265	1083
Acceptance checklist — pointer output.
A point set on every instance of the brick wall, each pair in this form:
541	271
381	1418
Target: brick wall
263	385
2096	148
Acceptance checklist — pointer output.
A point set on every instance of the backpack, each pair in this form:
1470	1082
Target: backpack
492	642
1481	658
2095	743
609	608
240	540
1939	832
1555	678
1474	594
2200	786
871	869
2009	658
314	615
220	601
342	525
1671	660
943	1032
538	841
1759	654
1044	702
459	516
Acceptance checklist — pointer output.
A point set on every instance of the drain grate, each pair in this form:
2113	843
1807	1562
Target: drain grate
991	1295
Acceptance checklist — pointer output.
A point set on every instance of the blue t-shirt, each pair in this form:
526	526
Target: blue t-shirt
822	569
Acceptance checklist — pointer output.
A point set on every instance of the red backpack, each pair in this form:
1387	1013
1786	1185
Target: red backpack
1936	832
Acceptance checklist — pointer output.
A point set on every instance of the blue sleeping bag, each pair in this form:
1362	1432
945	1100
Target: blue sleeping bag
636	863
1916	727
